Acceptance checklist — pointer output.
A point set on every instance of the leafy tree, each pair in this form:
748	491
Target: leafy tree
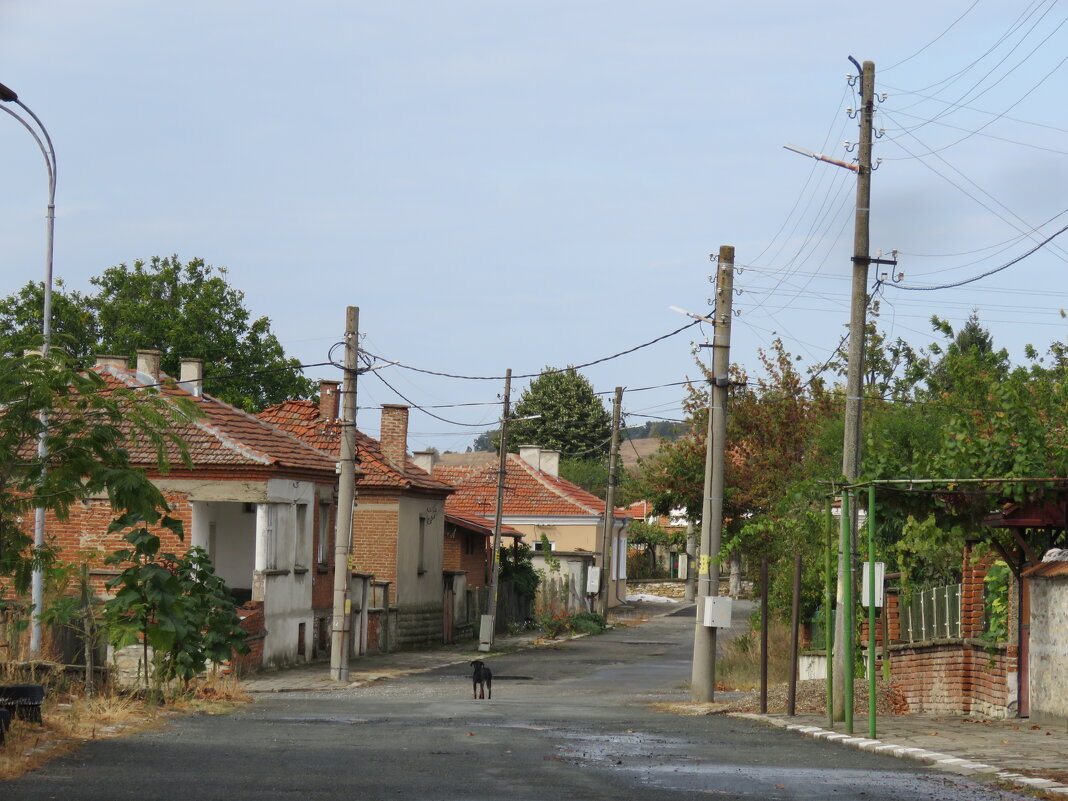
487	441
183	310
88	432
650	536
177	606
572	419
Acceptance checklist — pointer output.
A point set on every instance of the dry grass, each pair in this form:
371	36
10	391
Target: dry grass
69	719
67	722
739	667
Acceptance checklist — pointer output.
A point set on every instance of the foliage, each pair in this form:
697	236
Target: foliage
89	431
177	606
516	567
648	537
929	553
554	624
183	310
571	417
996	603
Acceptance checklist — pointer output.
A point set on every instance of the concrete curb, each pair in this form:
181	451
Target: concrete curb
963	767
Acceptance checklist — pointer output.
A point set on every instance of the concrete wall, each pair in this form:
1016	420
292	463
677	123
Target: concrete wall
286	572
232	542
1048	655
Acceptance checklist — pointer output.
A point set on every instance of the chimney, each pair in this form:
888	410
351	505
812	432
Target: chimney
191	377
549	462
531	454
394	433
148	365
329	400
424	460
111	362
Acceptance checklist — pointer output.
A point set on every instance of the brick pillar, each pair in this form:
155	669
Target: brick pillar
971	593
394	434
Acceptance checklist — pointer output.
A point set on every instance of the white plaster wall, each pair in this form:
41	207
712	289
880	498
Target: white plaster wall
234	551
1048	662
412	587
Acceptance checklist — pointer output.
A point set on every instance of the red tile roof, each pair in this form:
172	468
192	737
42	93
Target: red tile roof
528	491
481	525
301	419
223	437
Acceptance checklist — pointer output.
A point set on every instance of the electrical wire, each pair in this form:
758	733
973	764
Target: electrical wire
952	25
544	372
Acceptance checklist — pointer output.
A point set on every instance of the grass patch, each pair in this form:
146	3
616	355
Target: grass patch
739	667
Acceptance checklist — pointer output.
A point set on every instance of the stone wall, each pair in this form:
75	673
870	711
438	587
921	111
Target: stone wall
1048	676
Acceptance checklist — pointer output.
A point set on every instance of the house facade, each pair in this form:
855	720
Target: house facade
398	525
538	504
256	498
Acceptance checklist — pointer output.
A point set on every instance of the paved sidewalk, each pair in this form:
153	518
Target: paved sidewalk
1012	750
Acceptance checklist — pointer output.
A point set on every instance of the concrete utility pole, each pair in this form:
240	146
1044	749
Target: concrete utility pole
346	499
489	621
851	446
610	504
703	678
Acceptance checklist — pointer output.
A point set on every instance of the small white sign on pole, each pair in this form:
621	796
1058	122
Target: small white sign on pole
593	580
717	612
880	575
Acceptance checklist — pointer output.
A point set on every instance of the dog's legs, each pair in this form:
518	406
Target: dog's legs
489	686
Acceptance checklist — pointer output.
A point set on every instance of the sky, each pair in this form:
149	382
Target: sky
515	185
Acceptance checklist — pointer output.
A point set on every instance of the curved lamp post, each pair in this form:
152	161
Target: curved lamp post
44	142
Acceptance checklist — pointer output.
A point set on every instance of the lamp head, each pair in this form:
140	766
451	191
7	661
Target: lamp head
7	95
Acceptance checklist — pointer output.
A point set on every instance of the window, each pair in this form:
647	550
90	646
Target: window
300	536
422	544
323	552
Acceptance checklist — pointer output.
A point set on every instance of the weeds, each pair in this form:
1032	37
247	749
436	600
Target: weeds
553	624
739	667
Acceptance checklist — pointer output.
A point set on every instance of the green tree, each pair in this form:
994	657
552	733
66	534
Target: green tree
183	310
88	433
571	417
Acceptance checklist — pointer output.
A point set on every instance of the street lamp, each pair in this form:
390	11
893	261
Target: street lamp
45	144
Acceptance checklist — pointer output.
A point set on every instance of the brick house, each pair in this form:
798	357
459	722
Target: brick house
256	498
537	502
398	526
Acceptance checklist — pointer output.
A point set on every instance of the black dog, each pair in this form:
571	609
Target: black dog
482	680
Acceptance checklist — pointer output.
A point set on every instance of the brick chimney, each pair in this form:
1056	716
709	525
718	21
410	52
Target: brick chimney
394	433
329	400
191	377
148	365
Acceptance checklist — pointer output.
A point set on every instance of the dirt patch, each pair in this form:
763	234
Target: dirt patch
812	698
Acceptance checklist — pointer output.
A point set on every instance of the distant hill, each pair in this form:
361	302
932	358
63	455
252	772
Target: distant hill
631	450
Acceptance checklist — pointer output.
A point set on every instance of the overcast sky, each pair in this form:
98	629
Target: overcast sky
500	184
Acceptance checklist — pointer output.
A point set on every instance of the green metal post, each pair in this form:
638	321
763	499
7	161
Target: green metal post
848	611
871	611
828	613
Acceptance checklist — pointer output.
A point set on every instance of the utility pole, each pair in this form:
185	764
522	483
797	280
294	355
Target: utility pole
851	446
703	678
691	550
489	621
610	504
346	499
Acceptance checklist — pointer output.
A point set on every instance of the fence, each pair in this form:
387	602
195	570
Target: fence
932	614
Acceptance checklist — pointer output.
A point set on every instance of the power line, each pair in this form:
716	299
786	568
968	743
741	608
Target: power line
544	372
936	39
1005	266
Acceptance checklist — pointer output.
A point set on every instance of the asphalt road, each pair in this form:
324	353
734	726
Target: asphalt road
574	721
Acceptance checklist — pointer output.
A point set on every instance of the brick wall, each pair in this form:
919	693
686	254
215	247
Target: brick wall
960	676
374	535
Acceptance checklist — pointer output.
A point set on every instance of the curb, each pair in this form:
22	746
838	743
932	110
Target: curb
963	767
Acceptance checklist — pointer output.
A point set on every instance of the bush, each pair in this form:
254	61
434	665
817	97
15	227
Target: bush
553	624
